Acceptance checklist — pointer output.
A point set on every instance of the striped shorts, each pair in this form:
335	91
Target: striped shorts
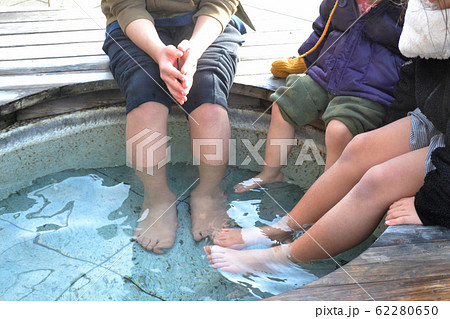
423	134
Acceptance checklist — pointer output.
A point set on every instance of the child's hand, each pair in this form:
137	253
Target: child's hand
403	212
188	63
170	74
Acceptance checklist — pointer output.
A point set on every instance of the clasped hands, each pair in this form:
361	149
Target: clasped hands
177	67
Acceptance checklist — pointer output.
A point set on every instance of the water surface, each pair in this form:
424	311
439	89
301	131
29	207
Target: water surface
67	237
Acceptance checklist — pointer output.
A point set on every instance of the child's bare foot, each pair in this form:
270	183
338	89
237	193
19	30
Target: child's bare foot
157	223
268	236
235	238
265	177
208	212
403	212
271	260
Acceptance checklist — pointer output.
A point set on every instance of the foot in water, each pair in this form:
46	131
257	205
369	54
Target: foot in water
267	236
208	213
271	260
267	176
157	223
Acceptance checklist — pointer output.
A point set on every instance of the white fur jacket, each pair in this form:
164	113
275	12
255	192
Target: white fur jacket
425	32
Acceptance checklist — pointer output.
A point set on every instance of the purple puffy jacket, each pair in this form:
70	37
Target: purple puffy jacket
363	61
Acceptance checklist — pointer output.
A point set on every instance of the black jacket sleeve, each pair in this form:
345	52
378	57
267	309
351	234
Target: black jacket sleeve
432	202
405	100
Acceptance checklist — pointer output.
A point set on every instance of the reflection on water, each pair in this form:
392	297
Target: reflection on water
67	237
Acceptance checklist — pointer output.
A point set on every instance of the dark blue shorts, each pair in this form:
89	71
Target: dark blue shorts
138	76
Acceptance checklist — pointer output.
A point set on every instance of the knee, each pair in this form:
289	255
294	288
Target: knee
275	115
148	114
373	181
136	114
337	135
209	113
356	149
275	110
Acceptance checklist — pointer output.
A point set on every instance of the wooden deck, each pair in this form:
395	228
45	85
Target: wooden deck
405	263
47	54
49	57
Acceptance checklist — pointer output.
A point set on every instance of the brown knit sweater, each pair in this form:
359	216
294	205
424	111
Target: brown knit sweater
126	11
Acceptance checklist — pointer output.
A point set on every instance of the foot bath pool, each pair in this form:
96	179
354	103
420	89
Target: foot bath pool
69	207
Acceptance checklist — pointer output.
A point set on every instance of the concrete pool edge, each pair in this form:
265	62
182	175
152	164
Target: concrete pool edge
96	138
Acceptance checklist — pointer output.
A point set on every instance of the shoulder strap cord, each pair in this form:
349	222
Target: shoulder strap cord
282	68
325	30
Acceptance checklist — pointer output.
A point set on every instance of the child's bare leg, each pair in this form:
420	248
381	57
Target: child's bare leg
157	224
364	151
337	136
208	200
344	226
356	216
275	157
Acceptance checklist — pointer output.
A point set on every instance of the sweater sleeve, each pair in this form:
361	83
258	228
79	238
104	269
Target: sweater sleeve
432	202
219	9
404	97
127	11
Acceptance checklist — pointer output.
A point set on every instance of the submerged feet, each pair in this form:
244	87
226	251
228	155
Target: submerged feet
267	176
157	223
208	212
268	236
271	260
